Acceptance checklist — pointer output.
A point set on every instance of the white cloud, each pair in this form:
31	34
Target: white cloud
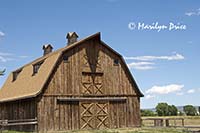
2	34
176	56
193	13
165	89
5	54
191	91
190	13
190	42
141	65
149	96
23	56
145	62
4	57
180	93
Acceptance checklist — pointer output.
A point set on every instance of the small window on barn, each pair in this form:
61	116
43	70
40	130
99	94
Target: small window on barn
116	62
65	59
16	73
36	67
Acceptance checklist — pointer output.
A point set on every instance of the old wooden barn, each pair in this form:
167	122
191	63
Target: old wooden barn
85	85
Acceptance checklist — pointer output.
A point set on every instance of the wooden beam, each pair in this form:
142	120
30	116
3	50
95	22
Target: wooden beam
92	73
20	123
73	99
162	118
74	95
21	120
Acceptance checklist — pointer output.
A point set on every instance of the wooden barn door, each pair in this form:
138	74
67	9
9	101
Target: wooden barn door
94	115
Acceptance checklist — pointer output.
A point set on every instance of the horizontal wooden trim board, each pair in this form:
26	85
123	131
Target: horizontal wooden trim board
95	73
72	99
18	122
162	118
74	95
21	120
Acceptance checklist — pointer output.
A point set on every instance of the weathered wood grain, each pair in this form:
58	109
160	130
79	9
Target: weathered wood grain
88	76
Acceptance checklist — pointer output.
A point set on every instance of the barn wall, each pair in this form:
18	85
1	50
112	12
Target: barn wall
87	63
125	114
54	115
68	77
19	110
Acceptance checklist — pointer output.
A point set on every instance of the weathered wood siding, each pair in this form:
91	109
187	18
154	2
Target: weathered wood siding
88	72
19	110
57	116
54	115
67	79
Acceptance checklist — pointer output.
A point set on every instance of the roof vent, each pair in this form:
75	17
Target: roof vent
47	49
72	37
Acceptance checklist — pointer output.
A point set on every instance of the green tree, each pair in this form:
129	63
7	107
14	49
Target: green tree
162	109
190	110
173	111
180	113
2	72
147	113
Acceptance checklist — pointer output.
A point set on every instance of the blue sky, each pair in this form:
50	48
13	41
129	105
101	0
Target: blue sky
164	63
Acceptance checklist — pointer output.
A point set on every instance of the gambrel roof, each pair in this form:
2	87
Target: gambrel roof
28	85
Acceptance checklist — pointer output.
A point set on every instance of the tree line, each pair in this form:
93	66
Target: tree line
163	109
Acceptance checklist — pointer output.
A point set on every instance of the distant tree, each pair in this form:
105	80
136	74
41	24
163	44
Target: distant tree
199	110
162	109
173	111
180	113
190	110
2	72
148	113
